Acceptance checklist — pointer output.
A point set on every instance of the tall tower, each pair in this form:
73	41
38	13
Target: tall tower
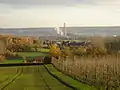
64	29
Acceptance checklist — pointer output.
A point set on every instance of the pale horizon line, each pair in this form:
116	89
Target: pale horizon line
60	26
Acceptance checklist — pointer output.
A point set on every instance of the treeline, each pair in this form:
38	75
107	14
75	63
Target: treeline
98	46
96	64
24	47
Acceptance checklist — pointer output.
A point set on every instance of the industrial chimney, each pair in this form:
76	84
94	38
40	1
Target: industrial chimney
64	29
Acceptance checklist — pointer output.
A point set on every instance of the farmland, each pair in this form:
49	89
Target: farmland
31	54
95	64
26	54
34	77
70	81
84	65
30	78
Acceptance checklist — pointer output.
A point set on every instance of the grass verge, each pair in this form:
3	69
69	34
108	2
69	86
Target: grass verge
32	54
68	80
7	61
27	54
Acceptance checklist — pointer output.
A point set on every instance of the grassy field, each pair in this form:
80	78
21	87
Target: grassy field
31	78
35	77
44	50
7	74
11	61
69	80
27	54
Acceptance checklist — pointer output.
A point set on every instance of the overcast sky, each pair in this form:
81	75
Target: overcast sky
53	13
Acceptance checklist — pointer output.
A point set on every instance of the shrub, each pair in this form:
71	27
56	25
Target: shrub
47	60
2	57
54	51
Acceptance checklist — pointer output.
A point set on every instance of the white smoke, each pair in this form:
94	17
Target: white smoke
59	31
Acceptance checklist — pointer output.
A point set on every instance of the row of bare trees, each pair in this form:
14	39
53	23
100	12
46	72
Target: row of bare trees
103	72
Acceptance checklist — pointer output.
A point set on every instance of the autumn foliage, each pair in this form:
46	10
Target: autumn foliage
54	51
93	64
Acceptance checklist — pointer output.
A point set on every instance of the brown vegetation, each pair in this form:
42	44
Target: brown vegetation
97	64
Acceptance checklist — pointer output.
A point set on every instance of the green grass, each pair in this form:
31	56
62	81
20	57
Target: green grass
11	61
27	54
35	78
6	74
69	80
44	50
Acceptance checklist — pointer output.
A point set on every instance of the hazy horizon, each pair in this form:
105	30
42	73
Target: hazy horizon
104	26
52	13
102	31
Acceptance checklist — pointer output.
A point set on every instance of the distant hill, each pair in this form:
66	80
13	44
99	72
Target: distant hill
95	30
29	31
104	31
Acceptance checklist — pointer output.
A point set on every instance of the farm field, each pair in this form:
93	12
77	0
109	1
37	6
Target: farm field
11	61
28	78
32	54
27	54
70	81
7	74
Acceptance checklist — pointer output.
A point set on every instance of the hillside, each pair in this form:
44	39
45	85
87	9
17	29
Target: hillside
104	31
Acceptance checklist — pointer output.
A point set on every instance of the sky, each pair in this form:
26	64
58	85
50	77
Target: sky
53	13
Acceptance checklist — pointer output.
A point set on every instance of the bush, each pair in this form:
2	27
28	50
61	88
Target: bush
47	60
2	57
113	46
54	51
11	55
33	49
80	51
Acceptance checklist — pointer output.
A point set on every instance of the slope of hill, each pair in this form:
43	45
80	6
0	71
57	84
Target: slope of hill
29	31
104	31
